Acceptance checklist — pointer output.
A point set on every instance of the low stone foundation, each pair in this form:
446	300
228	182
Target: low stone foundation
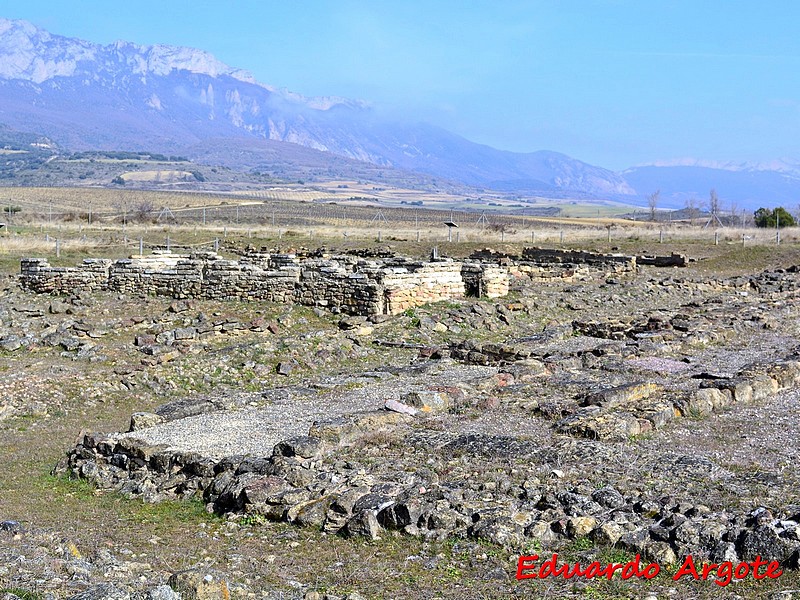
315	480
340	283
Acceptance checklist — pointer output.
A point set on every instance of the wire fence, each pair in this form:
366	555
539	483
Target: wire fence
142	239
52	227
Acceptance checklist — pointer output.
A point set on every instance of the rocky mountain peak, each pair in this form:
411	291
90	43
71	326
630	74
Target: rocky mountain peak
33	54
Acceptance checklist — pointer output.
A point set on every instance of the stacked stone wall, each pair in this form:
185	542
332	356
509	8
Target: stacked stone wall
547	264
161	274
40	277
346	284
491	281
406	287
550	255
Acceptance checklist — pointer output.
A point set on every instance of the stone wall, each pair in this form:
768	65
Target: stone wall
347	284
38	276
487	280
541	264
547	264
549	255
421	283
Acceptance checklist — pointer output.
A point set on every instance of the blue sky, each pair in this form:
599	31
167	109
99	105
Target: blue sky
611	82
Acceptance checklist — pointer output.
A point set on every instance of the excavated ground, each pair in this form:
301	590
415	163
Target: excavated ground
654	414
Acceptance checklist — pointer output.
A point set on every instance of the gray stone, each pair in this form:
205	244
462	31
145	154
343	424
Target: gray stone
503	531
765	541
10	343
104	591
284	368
363	524
194	584
142	420
162	592
428	401
608	497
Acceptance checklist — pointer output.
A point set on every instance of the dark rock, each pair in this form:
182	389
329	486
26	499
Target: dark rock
10	526
187	407
303	446
608	497
402	514
765	541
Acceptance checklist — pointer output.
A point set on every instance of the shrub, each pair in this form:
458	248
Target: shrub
779	217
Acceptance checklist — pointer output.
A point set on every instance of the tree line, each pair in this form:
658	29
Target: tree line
763	217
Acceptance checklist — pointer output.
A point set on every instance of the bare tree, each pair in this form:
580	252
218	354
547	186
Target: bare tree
734	211
144	210
652	203
691	208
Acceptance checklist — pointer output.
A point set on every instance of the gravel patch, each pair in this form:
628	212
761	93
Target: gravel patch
255	431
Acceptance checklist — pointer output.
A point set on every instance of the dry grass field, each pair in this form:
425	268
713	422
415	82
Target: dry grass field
325	213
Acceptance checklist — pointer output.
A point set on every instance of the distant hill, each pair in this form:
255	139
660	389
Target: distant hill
747	188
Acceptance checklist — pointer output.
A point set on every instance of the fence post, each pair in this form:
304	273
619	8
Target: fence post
561	236
716	238
58	248
141	246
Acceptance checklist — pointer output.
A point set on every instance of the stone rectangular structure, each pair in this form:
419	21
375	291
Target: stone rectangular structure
342	283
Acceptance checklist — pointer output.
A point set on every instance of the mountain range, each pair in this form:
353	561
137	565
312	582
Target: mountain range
177	100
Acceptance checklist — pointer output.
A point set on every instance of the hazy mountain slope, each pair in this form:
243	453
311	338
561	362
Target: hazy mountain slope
292	161
746	188
430	149
162	98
